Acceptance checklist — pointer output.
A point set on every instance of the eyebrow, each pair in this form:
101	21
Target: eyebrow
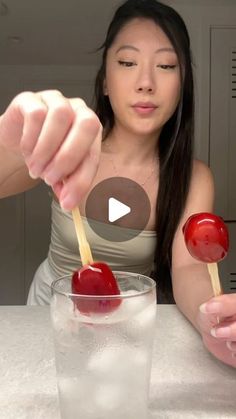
164	49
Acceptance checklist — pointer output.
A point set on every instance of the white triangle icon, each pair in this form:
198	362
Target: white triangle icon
116	210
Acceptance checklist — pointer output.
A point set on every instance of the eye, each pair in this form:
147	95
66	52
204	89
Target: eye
167	67
126	63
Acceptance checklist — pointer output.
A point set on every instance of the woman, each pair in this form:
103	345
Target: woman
144	101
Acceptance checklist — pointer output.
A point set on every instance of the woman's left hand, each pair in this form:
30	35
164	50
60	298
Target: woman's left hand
217	322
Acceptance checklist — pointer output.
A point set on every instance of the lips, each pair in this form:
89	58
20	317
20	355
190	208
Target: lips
148	105
144	108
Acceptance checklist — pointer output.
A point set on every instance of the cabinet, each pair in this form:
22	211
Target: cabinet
25	233
222	144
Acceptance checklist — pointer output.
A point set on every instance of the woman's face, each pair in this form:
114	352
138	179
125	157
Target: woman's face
142	77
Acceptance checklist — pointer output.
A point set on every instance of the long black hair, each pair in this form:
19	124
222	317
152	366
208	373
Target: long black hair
175	144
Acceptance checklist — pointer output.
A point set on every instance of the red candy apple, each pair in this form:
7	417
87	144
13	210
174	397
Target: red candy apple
96	279
206	237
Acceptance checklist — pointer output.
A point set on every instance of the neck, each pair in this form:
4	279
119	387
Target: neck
131	147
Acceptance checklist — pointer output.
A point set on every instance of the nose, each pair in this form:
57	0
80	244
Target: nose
145	89
145	81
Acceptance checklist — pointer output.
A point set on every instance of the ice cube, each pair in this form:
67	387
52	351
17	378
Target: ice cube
141	327
116	361
75	396
128	308
61	311
134	305
147	317
103	360
109	396
64	321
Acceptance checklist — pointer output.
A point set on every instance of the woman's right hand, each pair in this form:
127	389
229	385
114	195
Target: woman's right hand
59	139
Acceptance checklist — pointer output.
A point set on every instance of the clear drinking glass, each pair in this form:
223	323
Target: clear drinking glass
103	360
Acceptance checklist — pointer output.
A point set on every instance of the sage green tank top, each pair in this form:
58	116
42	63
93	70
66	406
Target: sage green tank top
134	255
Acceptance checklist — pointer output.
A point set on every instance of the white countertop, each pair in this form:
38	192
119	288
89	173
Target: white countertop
187	382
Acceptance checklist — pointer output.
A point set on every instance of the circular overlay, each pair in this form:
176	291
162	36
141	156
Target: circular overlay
118	209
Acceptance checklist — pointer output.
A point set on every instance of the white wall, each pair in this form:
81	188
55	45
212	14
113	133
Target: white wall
73	80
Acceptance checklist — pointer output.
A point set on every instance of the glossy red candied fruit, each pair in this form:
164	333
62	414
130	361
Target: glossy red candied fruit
96	279
206	237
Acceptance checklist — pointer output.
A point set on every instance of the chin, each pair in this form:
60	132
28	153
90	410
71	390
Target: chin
147	132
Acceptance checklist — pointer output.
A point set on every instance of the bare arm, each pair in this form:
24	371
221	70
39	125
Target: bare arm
213	317
191	282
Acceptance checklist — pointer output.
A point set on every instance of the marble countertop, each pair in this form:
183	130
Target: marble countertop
187	382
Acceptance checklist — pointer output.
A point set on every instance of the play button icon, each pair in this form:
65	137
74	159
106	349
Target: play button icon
117	209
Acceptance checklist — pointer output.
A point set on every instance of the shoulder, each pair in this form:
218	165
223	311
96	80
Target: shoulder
201	191
200	169
202	176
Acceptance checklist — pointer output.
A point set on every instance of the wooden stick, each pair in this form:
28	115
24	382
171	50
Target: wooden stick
215	280
84	248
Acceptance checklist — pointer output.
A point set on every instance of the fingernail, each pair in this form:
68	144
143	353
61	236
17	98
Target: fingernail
221	332
67	203
35	171
52	177
211	308
32	175
229	345
47	183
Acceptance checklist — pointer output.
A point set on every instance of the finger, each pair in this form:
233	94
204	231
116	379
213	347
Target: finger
83	133
78	184
223	305
207	322
58	121
34	112
226	331
57	189
219	349
22	122
231	346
